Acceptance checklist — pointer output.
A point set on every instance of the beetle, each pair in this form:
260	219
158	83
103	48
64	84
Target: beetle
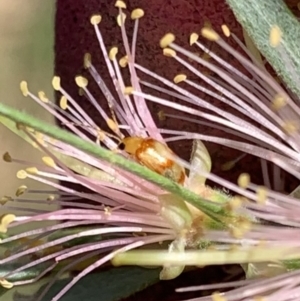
155	155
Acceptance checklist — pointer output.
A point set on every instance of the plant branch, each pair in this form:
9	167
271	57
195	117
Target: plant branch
212	210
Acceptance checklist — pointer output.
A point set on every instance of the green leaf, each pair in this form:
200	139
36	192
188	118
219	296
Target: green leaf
111	285
257	17
27	274
3	291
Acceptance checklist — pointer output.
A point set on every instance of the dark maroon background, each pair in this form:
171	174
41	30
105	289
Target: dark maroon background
75	36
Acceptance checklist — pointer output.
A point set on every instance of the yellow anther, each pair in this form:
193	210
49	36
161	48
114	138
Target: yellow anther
137	14
169	52
166	40
32	170
121	18
244	180
278	102
43	97
95	19
120	4
87	60
193	38
41	140
21	174
209	34
5	220
112	53
63	103
128	90
21	190
6	284
262	194
81	81
56	83
112	125
123	62
226	30
5	199
49	162
179	78
24	88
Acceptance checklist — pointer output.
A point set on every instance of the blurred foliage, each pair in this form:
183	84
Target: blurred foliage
26	52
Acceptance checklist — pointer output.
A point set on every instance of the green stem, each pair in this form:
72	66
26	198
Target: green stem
210	209
257	17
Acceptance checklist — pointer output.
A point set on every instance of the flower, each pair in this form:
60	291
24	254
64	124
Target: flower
75	37
121	201
126	204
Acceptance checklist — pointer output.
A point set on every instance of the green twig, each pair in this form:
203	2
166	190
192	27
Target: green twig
210	209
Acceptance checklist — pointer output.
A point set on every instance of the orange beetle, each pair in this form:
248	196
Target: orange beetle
154	155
